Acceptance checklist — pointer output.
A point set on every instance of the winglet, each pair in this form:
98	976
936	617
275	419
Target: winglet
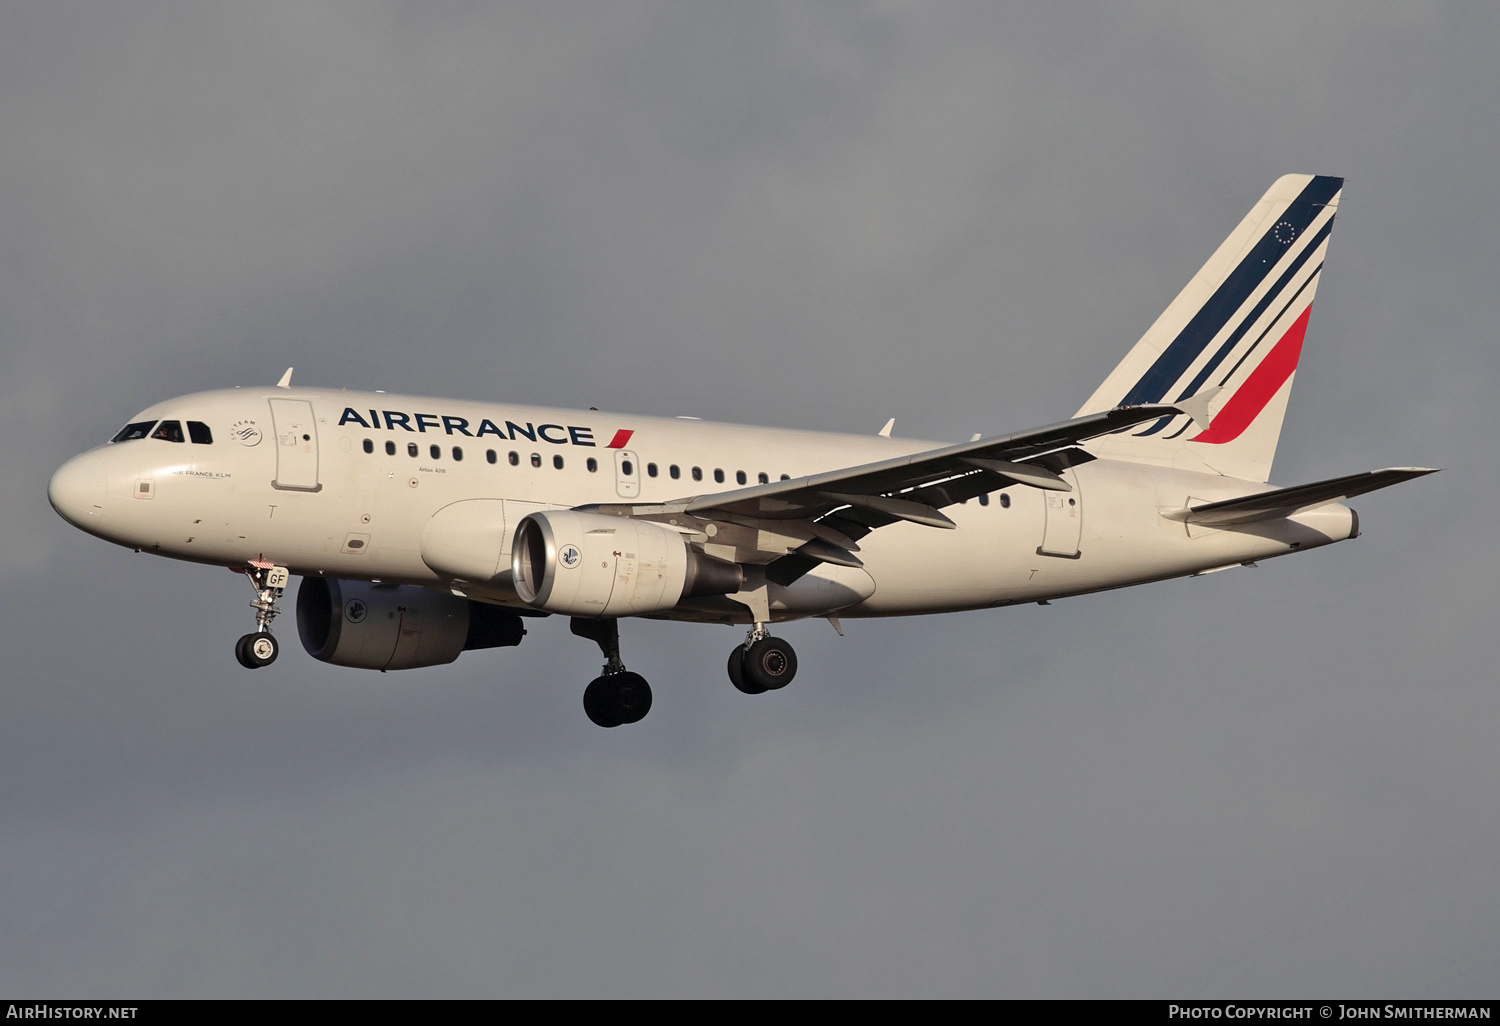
885	432
1196	406
286	379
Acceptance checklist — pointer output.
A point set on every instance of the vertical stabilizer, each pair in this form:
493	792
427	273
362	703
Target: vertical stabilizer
1231	339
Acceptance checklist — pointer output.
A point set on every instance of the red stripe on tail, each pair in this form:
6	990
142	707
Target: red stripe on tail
1263	383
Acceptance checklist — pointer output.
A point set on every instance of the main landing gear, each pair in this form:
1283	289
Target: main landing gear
617	696
260	649
762	663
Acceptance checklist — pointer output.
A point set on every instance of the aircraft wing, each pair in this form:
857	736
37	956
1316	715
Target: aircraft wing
1284	502
930	479
831	511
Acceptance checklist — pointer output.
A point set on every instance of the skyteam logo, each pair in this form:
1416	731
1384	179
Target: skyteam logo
246	432
399	420
570	557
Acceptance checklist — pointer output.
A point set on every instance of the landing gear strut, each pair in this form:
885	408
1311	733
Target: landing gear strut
260	649
617	696
762	663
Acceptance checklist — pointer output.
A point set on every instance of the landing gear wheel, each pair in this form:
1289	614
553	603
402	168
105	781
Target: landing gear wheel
256	650
770	663
737	672
617	699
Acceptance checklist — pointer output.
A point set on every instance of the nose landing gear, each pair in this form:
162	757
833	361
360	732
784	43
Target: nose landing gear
617	696
260	649
762	663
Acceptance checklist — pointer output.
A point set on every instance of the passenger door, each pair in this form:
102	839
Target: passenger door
296	445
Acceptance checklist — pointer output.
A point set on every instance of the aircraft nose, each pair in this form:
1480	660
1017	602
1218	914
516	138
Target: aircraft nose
77	490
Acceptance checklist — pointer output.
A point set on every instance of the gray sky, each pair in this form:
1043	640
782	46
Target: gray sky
1271	782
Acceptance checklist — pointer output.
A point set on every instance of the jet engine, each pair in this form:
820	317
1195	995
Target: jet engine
395	627
588	564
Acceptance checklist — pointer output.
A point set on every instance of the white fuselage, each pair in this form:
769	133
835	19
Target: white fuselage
287	478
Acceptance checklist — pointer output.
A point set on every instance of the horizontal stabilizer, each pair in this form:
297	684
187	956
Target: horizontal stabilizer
1285	502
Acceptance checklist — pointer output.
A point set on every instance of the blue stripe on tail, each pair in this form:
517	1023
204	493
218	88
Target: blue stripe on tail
1232	294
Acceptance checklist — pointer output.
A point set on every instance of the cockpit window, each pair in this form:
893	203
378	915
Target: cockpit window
169	431
130	432
199	433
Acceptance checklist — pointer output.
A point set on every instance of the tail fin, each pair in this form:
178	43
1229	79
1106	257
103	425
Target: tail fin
1232	337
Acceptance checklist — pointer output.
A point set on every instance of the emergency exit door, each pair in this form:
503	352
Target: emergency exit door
627	474
296	445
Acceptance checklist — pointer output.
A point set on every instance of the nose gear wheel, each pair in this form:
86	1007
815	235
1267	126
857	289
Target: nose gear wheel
256	650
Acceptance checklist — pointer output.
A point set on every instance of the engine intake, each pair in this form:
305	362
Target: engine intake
588	564
395	627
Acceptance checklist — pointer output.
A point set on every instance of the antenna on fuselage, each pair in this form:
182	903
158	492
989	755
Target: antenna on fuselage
286	379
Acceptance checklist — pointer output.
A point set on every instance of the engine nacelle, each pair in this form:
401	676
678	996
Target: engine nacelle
588	564
395	627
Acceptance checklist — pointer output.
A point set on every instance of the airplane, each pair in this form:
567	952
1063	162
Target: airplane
423	528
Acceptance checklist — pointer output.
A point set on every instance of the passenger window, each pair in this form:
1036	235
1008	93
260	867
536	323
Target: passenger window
390	448
130	432
199	433
592	464
763	477
984	500
719	475
369	445
536	459
786	477
515	459
411	449
489	454
697	473
557	462
739	476
458	454
1005	500
627	468
651	470
436	451
169	431
674	472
